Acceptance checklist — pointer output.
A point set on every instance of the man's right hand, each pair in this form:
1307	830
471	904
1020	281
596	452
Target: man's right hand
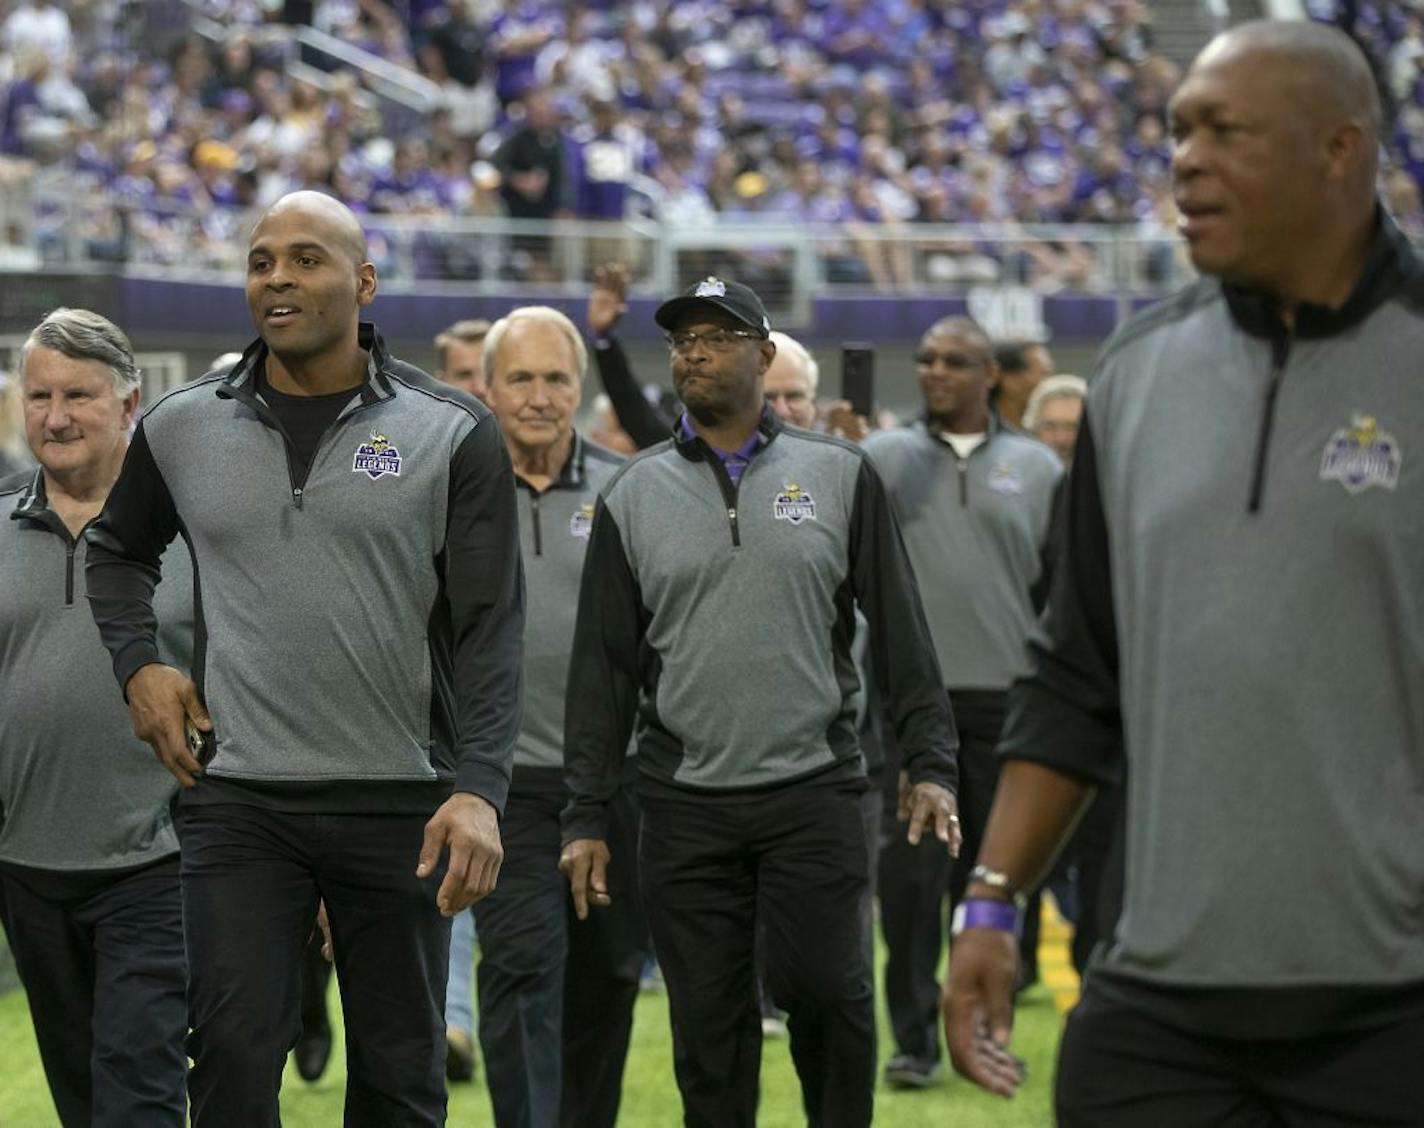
978	1008
608	301
584	862
161	703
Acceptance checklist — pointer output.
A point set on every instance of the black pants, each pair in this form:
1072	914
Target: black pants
794	860
101	959
606	956
1118	1068
915	879
556	995
251	881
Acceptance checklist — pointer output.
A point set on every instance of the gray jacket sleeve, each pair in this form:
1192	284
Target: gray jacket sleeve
484	581
901	650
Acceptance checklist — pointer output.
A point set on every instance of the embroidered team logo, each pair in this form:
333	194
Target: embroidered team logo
711	288
376	457
1361	455
794	504
1005	479
581	523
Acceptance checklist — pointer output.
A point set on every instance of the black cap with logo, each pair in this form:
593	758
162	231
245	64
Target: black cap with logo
715	293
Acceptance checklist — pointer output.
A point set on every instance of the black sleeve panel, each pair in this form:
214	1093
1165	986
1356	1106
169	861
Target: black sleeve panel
901	650
126	543
643	422
602	699
1067	714
484	578
1048	550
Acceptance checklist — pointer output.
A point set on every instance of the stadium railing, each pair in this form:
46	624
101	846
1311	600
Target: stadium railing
788	263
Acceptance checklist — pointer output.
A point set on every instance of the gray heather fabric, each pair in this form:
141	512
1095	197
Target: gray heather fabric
77	790
976	544
1278	833
675	531
553	531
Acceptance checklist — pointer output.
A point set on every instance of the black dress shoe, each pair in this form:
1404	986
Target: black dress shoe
459	1055
312	1052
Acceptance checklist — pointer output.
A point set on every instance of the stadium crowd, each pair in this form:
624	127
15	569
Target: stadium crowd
883	113
441	652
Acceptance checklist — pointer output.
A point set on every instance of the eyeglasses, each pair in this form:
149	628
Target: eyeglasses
718	340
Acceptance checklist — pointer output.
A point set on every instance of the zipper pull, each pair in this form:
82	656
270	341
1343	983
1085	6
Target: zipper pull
731	515
297	496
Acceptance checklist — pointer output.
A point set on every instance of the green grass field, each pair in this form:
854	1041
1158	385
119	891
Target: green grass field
650	1097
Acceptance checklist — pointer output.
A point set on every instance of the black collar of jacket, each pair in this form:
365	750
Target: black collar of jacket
32	502
571	476
376	387
695	450
33	506
1390	265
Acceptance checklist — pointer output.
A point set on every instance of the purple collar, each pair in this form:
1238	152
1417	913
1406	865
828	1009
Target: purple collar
734	461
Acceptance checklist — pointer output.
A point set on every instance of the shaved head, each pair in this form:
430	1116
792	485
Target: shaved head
336	221
1275	132
1329	76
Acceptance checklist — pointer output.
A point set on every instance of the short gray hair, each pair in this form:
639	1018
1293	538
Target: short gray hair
549	316
784	342
1055	387
82	334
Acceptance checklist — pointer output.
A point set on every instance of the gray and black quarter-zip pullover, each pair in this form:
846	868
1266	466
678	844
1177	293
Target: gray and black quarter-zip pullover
977	530
360	619
78	791
720	616
1240	601
554	528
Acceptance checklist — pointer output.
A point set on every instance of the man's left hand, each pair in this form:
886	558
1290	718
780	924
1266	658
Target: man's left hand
470	828
927	803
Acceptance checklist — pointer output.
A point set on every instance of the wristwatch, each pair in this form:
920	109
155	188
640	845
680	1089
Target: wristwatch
983	875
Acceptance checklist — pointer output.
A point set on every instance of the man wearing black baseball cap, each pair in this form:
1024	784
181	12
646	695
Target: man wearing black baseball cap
720	565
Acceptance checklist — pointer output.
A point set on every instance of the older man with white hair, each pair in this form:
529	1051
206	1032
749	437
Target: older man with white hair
556	993
89	892
1054	412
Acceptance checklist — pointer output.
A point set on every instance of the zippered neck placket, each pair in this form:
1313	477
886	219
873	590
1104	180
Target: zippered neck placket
1280	356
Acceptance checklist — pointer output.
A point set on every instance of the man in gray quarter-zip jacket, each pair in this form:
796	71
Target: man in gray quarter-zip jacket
975	501
715	615
353	528
88	858
556	994
1236	618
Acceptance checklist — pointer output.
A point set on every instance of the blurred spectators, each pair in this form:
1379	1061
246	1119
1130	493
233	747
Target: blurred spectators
855	115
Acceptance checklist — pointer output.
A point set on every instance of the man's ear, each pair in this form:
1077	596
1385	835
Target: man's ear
767	349
365	283
130	403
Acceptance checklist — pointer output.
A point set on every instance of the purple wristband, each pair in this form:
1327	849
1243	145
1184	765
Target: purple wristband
985	912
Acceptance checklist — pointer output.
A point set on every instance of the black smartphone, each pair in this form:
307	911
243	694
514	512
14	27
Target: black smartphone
858	377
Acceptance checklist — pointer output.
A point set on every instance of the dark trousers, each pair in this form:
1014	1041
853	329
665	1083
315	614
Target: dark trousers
915	879
251	881
606	956
556	995
794	860
1118	1068
101	959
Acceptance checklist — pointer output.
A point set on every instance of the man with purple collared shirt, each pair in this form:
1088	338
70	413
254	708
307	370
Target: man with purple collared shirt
715	616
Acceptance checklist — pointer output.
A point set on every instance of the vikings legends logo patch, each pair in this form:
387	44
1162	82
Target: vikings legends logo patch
1361	455
581	523
377	457
794	504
